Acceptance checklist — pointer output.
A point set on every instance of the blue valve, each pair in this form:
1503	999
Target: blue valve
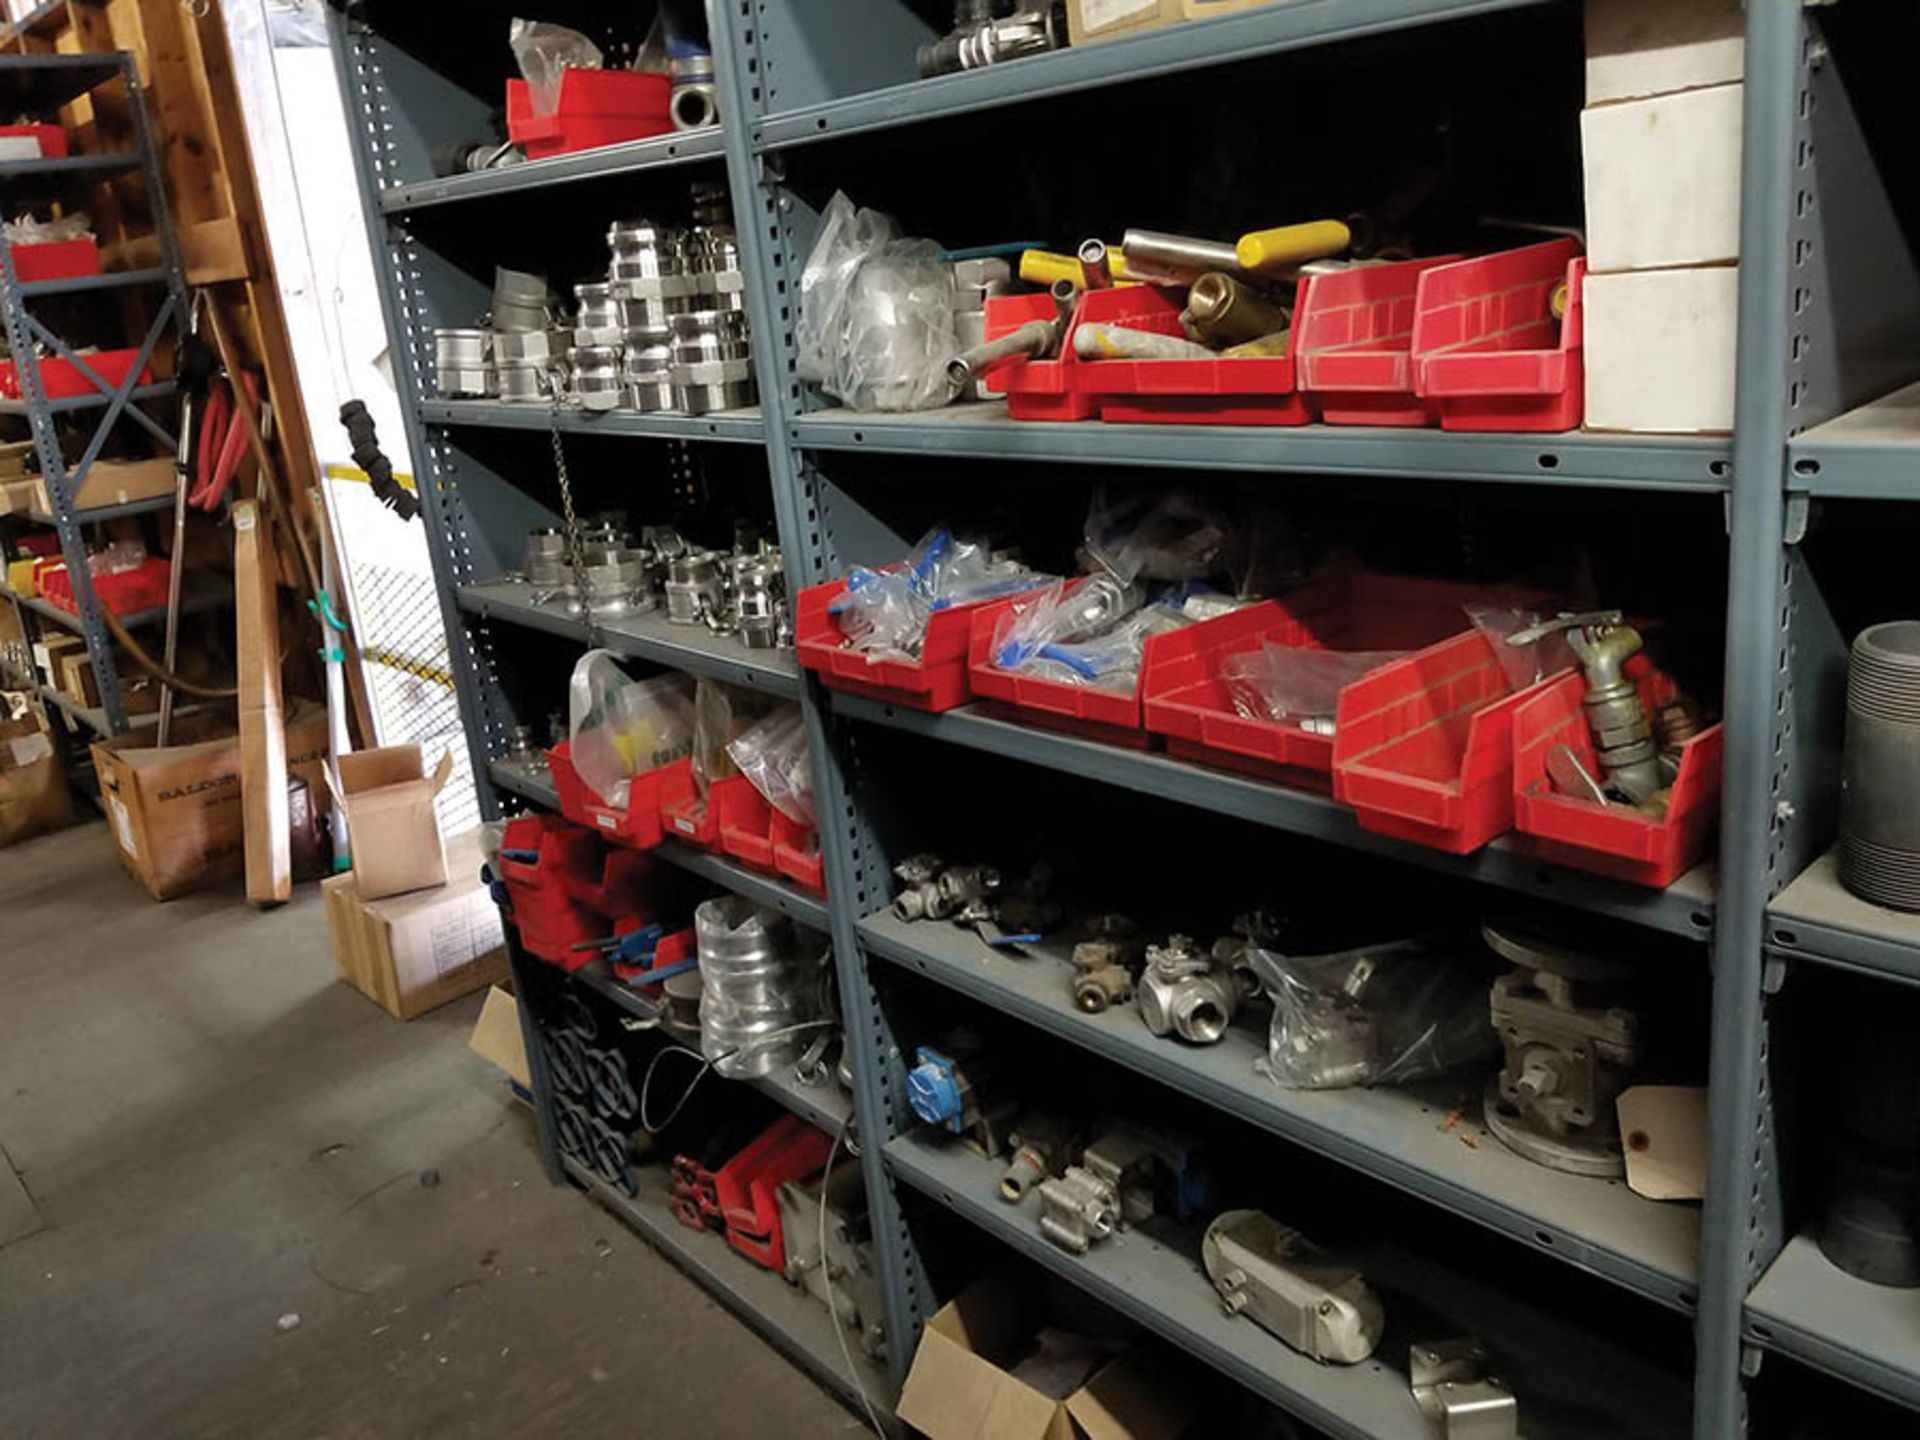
933	1089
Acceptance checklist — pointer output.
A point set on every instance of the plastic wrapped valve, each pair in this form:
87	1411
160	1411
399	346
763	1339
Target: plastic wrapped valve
884	612
773	756
762	987
26	230
545	52
1379	1015
1175	535
620	727
1498	617
1291	684
876	314
1093	633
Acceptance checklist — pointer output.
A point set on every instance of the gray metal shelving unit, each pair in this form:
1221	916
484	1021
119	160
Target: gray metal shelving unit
1820	416
40	84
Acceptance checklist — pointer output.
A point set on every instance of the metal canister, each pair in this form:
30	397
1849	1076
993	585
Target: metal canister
547	567
598	324
649	275
597	381
696	587
1880	767
712	365
519	301
648	368
714	255
522	383
759	599
616	583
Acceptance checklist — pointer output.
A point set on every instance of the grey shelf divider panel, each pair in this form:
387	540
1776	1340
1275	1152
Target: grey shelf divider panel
795	73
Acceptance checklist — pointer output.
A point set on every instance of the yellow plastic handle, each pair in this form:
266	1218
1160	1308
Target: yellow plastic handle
1291	245
1043	267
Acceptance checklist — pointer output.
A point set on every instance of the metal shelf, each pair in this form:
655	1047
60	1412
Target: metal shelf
742	427
644	637
1684	908
146	505
1397	1134
530	780
1869	453
38	176
205	597
93	400
95	718
654	153
41	83
1807	1307
79	284
1153	1275
985	431
1262	31
790	1318
1816	918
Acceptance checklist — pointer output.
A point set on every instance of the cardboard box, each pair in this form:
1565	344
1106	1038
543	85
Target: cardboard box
139	692
33	785
961	1388
1637	48
1089	20
51	653
497	1036
394	832
1663	181
107	482
1207	9
412	953
1660	350
175	813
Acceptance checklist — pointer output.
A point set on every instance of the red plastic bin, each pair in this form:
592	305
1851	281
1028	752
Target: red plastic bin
1242	391
1109	715
125	593
1423	747
550	919
1353	345
62	380
746	821
52	138
1037	389
596	107
1486	345
746	1187
56	260
936	681
1186	700
685	813
637	826
796	853
1612	840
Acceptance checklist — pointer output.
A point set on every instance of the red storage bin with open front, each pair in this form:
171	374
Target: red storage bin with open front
796	852
56	260
62	380
686	814
746	821
596	107
1186	700
746	1188
1037	389
1488	349
1423	747
1353	345
637	826
1219	391
935	681
1615	840
125	592
52	139
538	855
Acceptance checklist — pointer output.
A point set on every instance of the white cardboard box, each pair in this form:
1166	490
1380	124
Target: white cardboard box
1663	180
1637	48
1660	350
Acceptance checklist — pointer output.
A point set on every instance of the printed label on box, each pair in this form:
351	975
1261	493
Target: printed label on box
123	825
29	748
1099	14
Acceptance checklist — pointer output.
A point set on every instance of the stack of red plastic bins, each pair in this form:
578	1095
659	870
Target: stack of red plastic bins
1488	349
637	826
935	681
62	380
1353	345
1037	389
595	107
746	822
52	139
796	852
685	813
123	592
1423	747
1098	714
1251	390
544	909
1186	700
747	1186
55	259
1614	840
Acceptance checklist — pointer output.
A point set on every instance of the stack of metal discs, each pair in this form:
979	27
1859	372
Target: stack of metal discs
1880	773
712	364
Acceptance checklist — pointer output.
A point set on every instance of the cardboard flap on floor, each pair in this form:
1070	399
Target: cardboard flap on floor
391	825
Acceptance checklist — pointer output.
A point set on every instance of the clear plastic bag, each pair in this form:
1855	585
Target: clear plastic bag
773	755
1288	682
544	52
26	230
1175	535
720	713
762	987
1497	618
117	558
1378	1015
1094	634
619	727
884	612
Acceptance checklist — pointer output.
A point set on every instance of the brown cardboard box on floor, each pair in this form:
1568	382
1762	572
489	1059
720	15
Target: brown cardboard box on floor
175	813
497	1036
411	953
391	824
33	786
960	1386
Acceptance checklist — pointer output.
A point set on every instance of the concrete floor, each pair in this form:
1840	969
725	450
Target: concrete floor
209	1134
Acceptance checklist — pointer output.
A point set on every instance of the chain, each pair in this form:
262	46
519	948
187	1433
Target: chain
575	554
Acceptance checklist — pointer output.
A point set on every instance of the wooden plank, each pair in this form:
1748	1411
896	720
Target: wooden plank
263	737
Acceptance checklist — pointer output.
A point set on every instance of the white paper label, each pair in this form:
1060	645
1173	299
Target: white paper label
123	825
1099	14
608	822
29	748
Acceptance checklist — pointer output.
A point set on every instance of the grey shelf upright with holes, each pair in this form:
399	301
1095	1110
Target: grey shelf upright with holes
39	85
1820	416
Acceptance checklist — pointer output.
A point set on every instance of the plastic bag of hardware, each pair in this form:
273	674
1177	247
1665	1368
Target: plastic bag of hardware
544	51
619	727
1176	535
1497	619
773	756
26	230
1379	1015
1288	683
762	987
1094	634
884	612
720	713
849	236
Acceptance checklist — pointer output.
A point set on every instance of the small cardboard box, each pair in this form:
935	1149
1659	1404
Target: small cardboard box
1089	20
1663	181
1660	350
52	653
412	953
961	1386
33	784
497	1036
111	482
1637	48
139	693
391	824
175	813
1207	9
